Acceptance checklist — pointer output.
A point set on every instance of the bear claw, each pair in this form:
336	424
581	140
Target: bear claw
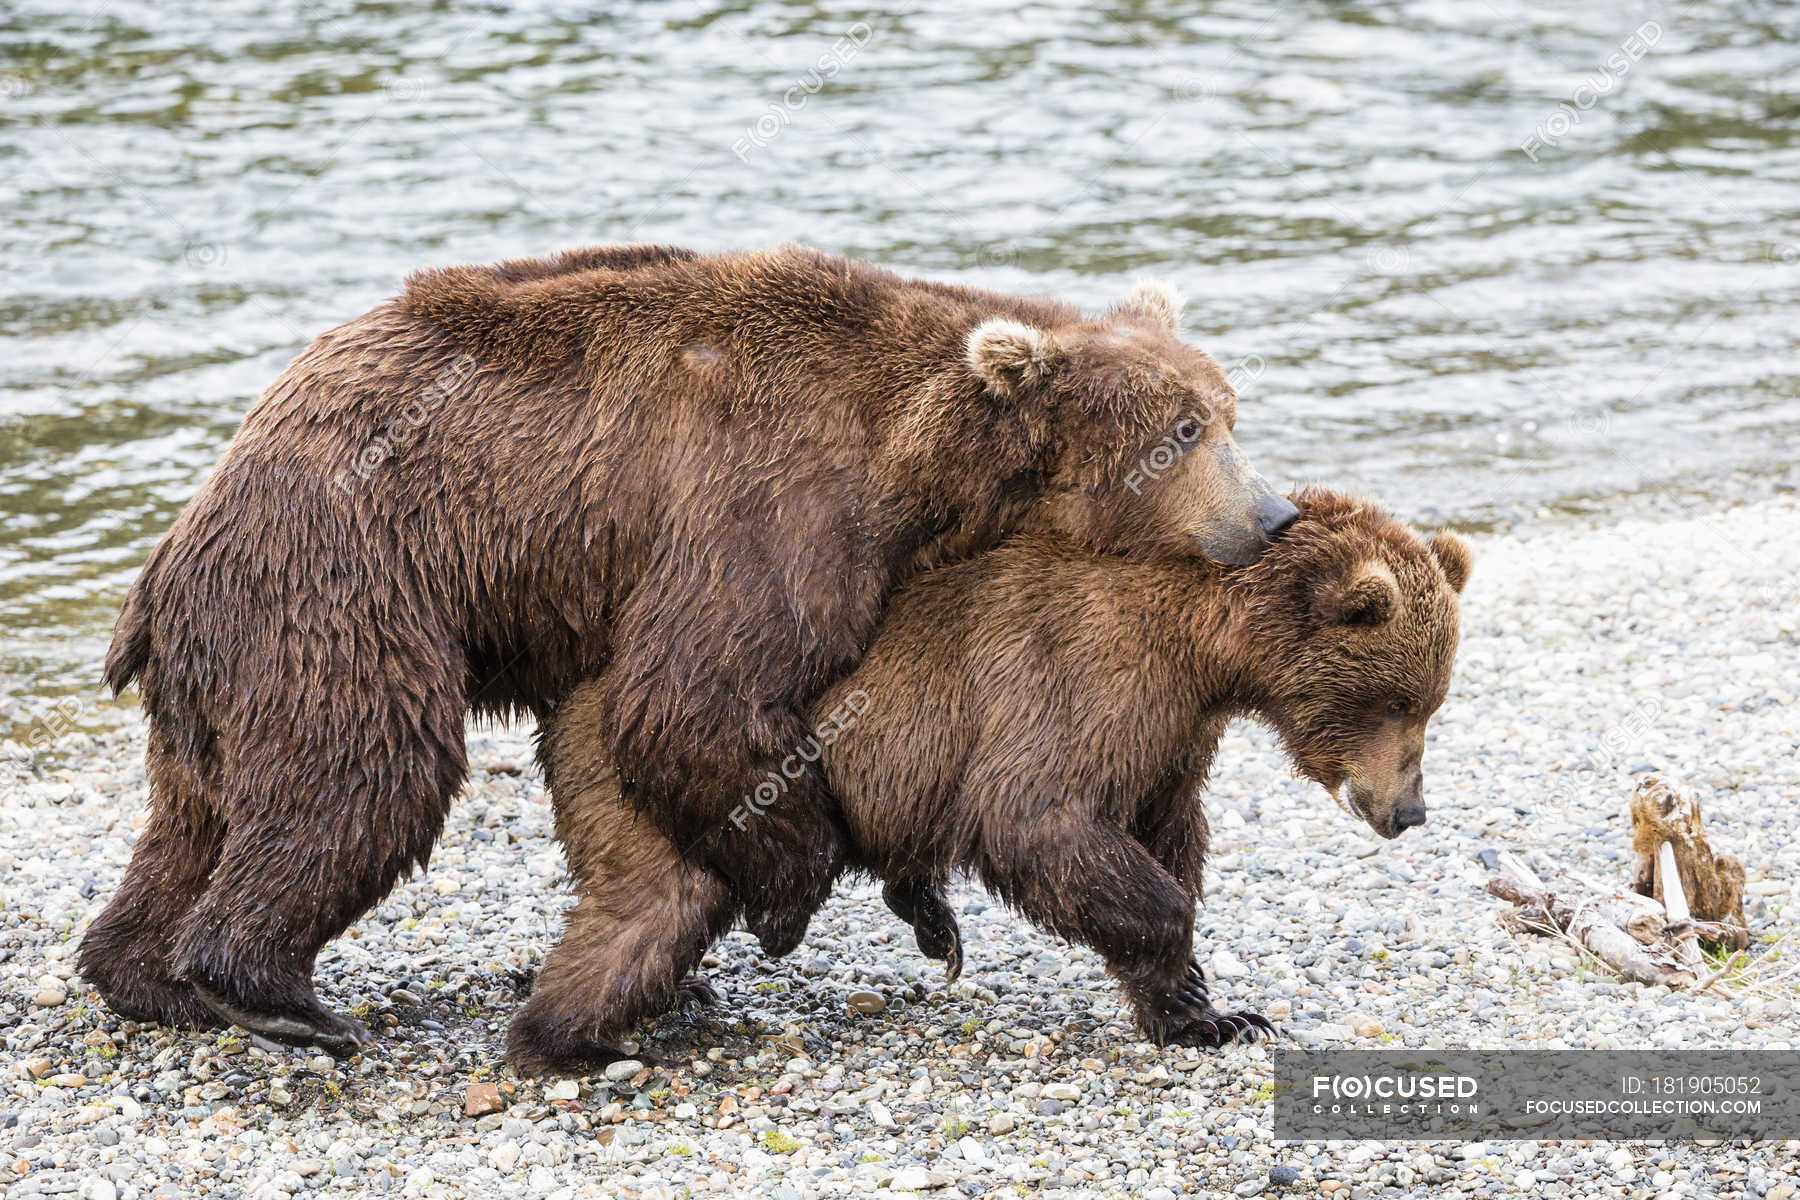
342	1037
696	992
1213	1029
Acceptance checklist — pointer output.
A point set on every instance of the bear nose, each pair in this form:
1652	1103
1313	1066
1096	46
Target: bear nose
1408	815
1273	516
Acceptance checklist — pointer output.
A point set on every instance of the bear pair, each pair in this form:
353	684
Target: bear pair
1043	717
688	483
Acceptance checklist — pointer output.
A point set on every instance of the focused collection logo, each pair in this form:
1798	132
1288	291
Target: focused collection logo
1396	1095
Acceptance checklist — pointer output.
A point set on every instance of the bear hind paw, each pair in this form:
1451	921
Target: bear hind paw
341	1036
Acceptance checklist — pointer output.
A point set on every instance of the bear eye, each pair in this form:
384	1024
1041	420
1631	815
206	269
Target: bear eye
1399	708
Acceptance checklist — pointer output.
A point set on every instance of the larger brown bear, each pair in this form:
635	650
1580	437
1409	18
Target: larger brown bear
696	478
1046	717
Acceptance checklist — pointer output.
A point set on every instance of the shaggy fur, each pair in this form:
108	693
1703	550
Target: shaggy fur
1045	717
693	479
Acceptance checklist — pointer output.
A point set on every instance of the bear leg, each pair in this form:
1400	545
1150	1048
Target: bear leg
920	903
317	833
1094	883
128	952
629	946
725	759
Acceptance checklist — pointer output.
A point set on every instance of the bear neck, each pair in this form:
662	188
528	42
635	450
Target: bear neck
1206	633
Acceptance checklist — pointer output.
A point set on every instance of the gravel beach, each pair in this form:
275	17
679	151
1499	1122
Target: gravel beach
1662	642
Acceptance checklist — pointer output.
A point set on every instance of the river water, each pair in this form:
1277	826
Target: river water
1481	259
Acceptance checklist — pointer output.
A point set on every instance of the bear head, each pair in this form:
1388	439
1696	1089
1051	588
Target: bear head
1134	430
1351	626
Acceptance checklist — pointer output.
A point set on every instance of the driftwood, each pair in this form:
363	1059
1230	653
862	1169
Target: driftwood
1592	924
1682	894
1640	916
1673	857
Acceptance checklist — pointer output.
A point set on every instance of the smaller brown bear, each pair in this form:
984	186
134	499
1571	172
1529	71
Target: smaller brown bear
1045	717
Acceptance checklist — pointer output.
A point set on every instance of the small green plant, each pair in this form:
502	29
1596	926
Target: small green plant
954	1128
1265	1093
680	1150
777	1142
970	1026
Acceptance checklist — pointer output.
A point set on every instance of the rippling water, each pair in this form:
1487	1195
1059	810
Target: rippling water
1479	258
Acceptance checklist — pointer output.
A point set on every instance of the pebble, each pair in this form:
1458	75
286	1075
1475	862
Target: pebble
622	1070
866	1002
1226	965
481	1099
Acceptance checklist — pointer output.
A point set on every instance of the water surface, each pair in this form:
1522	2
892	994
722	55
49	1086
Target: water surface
1481	259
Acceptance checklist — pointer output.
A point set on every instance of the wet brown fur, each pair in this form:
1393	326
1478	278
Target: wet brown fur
694	479
1045	717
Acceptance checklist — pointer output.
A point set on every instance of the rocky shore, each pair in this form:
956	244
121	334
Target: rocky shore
1590	655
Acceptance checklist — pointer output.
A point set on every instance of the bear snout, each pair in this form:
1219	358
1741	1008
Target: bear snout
1274	514
1408	815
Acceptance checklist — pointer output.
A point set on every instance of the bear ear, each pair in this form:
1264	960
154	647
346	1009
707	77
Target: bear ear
1369	598
1009	355
1157	302
1454	556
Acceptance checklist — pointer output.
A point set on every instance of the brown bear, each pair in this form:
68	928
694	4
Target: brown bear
1046	716
693	478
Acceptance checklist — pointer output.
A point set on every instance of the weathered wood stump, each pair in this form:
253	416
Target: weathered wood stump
1682	893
